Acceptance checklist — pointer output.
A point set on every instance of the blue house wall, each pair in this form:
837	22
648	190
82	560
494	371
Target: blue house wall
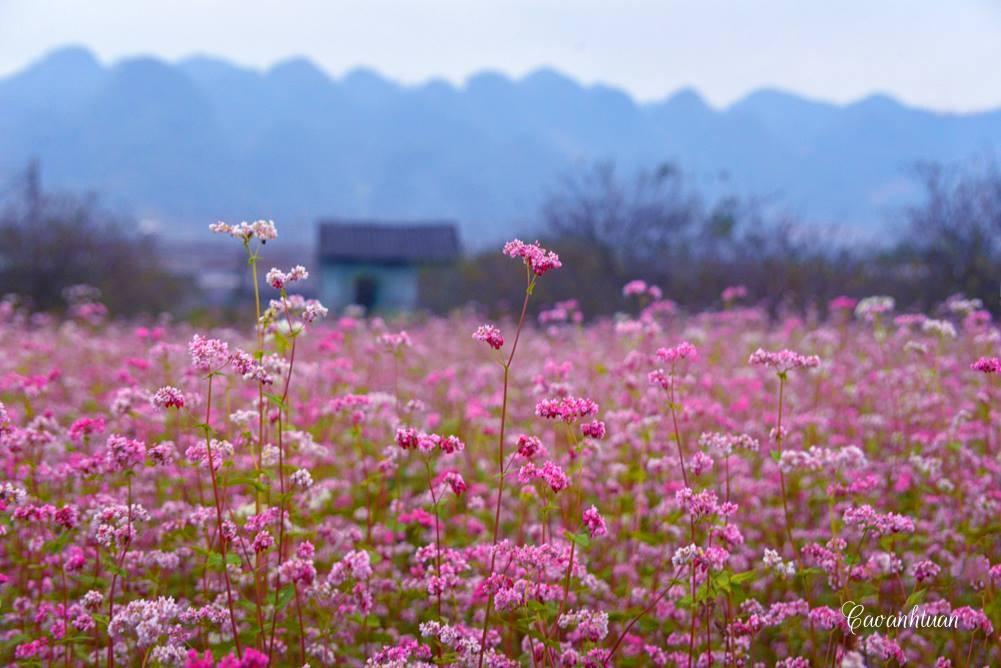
395	286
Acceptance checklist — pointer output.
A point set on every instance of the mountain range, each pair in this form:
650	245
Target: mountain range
201	139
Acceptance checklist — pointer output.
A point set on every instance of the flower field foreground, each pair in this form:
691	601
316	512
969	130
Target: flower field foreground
664	489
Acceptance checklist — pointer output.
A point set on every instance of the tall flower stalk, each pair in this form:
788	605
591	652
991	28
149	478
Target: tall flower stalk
537	262
119	569
283	505
669	381
220	536
783	361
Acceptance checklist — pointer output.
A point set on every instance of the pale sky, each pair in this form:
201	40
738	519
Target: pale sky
940	54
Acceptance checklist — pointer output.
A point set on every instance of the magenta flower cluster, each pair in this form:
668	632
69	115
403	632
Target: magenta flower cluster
538	259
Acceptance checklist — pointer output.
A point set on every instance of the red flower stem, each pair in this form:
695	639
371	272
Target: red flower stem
114	577
437	533
281	480
625	631
218	514
500	460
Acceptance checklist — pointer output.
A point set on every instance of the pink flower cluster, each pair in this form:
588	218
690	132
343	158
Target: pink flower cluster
877	524
280	280
594	522
569	408
212	356
168	397
637	288
682	351
490	335
733	293
987	365
783	360
409	438
549	473
538	259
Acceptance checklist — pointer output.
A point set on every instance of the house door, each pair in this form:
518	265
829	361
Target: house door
366	289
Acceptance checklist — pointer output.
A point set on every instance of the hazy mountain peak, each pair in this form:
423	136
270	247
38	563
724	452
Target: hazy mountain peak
369	79
549	79
68	71
206	139
68	59
877	102
687	98
776	97
301	71
488	80
141	93
209	70
145	76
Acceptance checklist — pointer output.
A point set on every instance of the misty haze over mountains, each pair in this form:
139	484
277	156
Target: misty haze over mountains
187	143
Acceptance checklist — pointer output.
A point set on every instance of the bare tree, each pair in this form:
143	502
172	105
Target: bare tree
954	241
54	241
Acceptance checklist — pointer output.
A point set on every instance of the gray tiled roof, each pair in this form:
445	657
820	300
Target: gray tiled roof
373	241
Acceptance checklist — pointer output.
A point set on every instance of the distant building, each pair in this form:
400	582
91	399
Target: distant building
218	270
375	264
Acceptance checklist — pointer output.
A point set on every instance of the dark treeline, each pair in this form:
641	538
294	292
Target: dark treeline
50	243
609	230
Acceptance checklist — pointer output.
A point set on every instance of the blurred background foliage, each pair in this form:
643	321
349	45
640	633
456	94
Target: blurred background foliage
609	228
50	242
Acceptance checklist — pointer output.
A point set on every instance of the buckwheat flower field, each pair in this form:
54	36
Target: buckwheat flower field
661	489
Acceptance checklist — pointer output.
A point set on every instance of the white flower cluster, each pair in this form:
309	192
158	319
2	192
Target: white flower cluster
263	230
302	478
940	328
848	458
12	495
872	307
774	562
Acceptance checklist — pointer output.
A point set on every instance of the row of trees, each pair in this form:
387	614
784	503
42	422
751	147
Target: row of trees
610	230
50	243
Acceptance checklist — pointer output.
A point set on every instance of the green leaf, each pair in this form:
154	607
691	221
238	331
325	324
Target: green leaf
215	560
91	582
286	595
57	545
776	455
205	428
581	539
368	621
914	599
276	400
741	578
993	609
247	481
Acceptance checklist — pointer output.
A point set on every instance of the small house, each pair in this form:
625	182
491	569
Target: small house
376	265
